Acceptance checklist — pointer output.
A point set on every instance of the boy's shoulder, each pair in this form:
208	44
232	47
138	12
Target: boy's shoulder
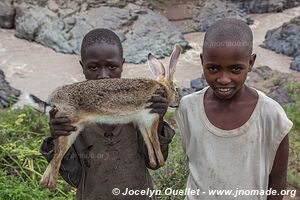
269	106
187	99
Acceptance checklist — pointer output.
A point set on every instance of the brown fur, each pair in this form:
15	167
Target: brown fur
106	96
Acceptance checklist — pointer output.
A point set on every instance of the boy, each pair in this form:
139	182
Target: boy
105	157
234	136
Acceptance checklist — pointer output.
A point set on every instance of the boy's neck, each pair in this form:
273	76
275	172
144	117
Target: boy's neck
232	113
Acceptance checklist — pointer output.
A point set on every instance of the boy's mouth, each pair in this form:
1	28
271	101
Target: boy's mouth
224	91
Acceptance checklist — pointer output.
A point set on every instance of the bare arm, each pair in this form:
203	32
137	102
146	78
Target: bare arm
277	177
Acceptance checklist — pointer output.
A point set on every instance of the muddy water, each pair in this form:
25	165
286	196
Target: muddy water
34	68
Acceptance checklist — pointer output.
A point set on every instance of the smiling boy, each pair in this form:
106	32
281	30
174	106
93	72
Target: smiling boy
235	137
105	157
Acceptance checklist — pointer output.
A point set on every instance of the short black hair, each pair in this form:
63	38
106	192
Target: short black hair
100	36
229	32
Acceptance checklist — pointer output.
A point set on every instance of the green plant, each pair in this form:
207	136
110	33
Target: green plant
22	165
293	111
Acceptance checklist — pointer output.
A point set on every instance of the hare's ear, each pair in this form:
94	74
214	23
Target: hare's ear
173	61
156	66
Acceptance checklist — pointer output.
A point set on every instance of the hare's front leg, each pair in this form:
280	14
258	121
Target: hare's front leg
61	146
155	142
145	133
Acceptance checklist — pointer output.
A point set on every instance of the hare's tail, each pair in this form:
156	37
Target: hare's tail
37	103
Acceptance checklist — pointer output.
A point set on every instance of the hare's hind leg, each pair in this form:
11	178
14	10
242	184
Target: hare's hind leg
61	146
155	142
145	133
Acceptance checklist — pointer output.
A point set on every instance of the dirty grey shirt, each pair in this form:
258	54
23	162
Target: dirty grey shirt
232	160
99	161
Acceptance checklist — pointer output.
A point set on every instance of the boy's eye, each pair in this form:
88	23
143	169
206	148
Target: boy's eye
112	67
236	68
212	68
92	67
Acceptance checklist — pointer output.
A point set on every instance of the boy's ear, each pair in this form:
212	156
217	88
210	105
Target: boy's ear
201	58
81	64
252	61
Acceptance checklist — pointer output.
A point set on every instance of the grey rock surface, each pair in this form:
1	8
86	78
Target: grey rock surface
215	10
8	94
61	26
195	85
265	6
7	13
286	40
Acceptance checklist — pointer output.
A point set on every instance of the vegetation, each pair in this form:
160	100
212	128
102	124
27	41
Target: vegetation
21	166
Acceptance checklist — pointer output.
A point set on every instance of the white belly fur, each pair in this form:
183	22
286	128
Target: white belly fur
142	116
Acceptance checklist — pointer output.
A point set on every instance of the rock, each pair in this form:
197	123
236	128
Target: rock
254	6
151	33
271	82
185	91
215	10
286	40
8	94
296	64
280	94
7	13
140	29
198	83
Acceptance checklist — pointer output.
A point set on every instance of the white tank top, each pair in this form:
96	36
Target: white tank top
238	159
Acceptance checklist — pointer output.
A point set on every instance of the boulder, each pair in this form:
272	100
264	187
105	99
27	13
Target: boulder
296	64
286	40
254	6
215	10
7	14
140	29
8	94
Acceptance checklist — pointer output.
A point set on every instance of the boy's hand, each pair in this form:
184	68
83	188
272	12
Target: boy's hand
159	103
60	126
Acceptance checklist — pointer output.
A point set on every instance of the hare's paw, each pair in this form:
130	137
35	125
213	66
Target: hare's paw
52	183
152	162
44	180
160	158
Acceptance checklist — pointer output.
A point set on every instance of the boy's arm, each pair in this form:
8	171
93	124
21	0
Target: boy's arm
70	168
277	177
165	135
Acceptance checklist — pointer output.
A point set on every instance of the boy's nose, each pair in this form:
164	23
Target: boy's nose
224	79
102	74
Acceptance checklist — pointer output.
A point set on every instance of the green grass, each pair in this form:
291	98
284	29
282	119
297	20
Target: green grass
21	165
293	112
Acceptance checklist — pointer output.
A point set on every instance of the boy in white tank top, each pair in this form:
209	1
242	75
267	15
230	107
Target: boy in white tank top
235	137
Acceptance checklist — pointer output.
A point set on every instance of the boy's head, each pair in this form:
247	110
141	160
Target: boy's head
227	56
101	55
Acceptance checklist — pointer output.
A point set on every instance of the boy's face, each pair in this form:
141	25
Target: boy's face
225	69
100	61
